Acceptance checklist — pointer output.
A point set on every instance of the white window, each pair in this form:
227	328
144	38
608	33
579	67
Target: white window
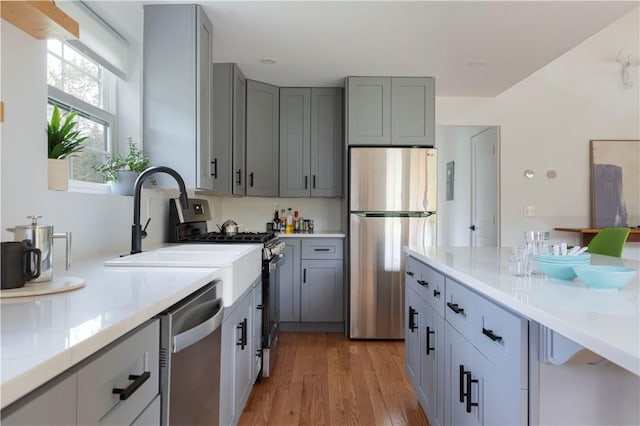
78	83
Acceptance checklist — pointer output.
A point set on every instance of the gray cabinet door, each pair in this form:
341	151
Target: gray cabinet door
289	274
227	374
262	139
295	142
413	111
228	141
177	90
243	354
412	334
322	288
326	142
431	388
239	129
369	110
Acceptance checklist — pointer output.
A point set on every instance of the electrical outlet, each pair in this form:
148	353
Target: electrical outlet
530	210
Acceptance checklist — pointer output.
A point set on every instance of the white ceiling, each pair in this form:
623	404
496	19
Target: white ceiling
472	48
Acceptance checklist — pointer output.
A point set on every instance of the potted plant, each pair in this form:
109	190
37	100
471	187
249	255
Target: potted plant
63	141
121	172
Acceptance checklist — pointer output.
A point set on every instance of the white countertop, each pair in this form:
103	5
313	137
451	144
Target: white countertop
314	235
606	322
43	336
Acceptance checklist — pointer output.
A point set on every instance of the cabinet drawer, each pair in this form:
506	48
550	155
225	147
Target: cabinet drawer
497	333
322	248
135	355
432	287
459	307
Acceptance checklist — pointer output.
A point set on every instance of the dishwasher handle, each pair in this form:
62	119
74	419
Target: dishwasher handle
193	335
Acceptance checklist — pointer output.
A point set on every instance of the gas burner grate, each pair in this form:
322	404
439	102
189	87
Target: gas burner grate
243	237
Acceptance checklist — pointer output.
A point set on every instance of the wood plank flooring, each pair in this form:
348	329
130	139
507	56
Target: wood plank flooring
328	379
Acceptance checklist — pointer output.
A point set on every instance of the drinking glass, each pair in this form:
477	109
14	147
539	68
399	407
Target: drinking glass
519	261
536	242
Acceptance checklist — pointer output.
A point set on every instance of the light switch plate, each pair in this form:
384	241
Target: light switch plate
530	210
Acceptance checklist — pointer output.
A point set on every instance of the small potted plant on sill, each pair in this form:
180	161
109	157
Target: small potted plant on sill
121	172
63	141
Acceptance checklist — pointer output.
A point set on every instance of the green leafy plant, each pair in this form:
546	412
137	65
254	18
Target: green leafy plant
63	139
135	161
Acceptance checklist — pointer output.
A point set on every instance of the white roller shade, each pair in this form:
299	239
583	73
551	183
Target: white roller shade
98	39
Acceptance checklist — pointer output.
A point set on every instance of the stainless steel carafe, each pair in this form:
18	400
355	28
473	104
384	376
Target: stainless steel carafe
41	237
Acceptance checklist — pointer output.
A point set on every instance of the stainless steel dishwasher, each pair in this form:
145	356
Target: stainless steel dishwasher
190	359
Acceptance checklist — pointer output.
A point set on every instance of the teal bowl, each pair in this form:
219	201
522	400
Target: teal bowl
559	271
586	258
602	276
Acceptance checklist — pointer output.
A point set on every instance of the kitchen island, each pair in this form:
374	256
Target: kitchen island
583	344
44	336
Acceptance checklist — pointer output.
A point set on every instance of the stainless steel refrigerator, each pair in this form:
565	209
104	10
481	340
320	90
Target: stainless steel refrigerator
392	204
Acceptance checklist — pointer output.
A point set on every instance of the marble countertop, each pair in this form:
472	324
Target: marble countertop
43	336
606	322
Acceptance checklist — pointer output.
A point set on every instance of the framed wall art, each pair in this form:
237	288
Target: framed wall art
615	183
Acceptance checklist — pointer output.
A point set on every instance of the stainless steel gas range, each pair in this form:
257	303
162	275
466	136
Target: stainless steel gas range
190	226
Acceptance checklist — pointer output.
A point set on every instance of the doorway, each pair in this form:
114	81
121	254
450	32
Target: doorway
471	199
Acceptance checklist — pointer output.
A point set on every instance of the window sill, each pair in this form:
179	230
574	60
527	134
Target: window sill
88	187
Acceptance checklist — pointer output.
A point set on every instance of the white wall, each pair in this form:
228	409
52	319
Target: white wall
546	122
454	216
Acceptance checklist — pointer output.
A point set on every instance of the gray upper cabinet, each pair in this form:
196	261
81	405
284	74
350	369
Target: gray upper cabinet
369	109
262	139
391	111
228	141
177	86
413	111
310	142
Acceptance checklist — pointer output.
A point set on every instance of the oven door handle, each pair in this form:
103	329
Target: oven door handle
206	327
276	262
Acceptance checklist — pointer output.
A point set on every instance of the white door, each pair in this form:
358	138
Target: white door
484	188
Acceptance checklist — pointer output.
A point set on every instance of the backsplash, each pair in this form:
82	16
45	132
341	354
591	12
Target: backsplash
255	212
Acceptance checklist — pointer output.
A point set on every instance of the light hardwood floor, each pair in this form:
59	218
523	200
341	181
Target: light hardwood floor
328	379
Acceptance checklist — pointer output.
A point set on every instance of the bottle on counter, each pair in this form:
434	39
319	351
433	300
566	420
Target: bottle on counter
276	221
289	227
296	222
283	221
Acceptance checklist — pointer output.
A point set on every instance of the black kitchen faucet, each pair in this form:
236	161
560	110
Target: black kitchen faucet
137	233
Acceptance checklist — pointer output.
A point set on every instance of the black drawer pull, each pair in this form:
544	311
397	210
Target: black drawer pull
436	293
137	382
243	334
239	173
306	182
321	249
412	322
423	283
314	181
462	374
455	308
251	179
429	333
410	273
490	335
215	168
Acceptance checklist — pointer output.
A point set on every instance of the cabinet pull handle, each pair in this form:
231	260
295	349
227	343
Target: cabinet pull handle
306	182
243	334
491	335
455	308
321	249
239	173
251	179
436	293
215	168
410	273
423	283
468	394
304	275
137	382
412	321
429	333
259	307
461	376
314	181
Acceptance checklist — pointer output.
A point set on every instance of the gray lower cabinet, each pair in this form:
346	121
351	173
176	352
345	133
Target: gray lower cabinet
310	142
237	371
312	285
177	88
228	129
391	111
466	356
262	133
85	396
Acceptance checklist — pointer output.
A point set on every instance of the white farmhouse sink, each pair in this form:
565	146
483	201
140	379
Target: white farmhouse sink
241	264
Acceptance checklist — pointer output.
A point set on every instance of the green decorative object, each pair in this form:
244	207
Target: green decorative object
62	138
135	161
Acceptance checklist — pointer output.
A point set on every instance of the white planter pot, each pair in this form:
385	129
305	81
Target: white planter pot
125	183
58	174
